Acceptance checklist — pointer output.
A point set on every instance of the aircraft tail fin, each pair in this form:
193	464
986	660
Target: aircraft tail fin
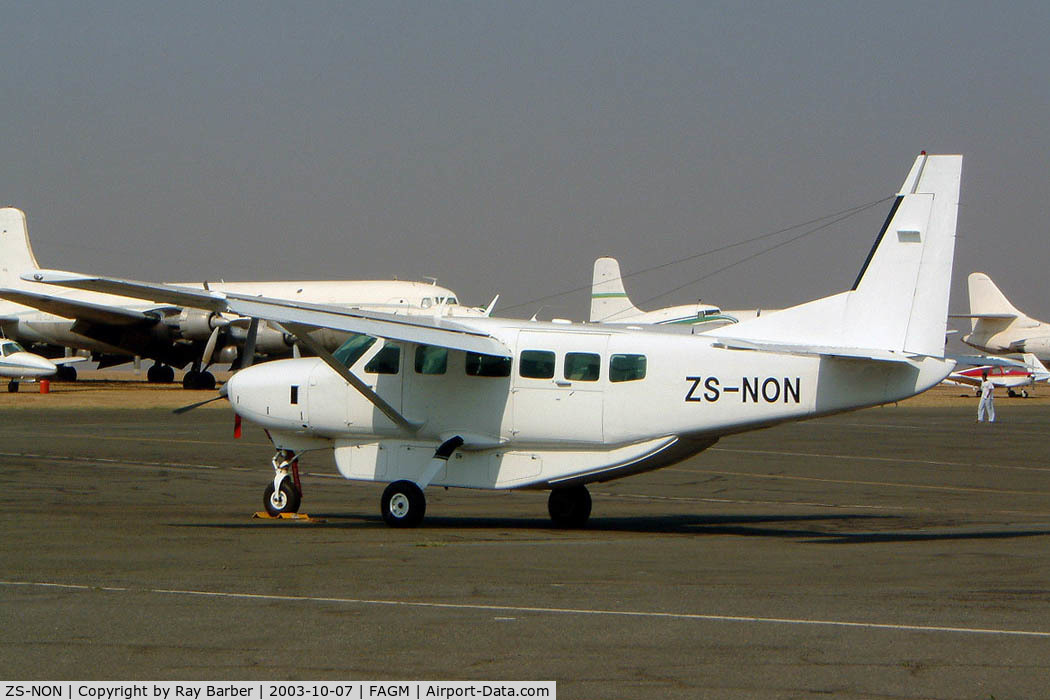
609	301
1037	368
16	254
990	310
899	302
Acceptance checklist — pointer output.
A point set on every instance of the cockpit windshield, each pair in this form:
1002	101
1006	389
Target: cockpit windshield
10	347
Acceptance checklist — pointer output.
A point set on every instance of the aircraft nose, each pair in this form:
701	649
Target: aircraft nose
35	365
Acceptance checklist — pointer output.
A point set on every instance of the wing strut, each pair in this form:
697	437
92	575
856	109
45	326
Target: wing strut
303	334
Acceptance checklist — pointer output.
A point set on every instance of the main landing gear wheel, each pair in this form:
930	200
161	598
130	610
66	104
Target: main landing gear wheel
286	500
569	507
160	374
198	380
12	387
403	504
66	373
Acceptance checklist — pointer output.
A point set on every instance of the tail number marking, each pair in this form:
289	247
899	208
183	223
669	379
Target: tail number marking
749	389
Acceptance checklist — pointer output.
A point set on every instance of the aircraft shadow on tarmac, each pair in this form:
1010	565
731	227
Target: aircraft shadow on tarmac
777	526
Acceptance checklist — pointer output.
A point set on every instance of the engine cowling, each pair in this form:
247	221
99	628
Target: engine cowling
271	341
198	325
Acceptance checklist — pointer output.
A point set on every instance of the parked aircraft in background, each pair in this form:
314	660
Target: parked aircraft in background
1004	374
116	329
610	304
997	327
504	404
16	363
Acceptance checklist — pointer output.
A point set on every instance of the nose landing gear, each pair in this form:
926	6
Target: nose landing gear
284	494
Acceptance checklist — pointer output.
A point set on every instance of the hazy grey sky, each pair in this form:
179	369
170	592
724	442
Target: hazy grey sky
501	147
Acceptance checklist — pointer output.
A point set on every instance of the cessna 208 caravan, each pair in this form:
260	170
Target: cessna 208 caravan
115	329
493	403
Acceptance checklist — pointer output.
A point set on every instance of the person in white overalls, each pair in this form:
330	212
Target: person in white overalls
987	405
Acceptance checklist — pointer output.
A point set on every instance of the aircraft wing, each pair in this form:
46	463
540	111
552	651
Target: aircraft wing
456	334
80	310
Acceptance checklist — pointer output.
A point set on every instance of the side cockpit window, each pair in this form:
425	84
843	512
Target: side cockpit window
386	361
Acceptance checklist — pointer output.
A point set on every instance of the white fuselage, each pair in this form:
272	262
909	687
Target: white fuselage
539	431
1020	335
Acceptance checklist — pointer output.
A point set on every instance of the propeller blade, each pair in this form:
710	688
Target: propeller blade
248	354
186	409
209	348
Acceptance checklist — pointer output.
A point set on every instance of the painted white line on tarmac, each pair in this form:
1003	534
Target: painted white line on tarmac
541	610
850	482
868	458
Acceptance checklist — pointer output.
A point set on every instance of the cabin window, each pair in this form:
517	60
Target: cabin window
480	365
431	359
386	361
626	368
536	364
294	395
582	366
426	303
353	348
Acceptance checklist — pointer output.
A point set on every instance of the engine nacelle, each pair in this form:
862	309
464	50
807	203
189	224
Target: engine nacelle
268	340
1037	346
271	341
194	324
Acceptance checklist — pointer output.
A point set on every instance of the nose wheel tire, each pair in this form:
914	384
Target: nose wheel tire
569	507
403	504
286	500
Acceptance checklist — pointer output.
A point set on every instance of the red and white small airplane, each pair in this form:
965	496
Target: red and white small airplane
1003	373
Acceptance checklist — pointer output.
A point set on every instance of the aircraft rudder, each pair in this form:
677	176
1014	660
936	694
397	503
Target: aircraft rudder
16	253
609	298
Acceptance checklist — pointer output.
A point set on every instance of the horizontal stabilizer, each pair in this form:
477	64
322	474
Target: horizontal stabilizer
987	317
986	361
822	351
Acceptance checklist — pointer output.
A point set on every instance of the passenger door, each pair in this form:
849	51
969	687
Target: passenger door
558	387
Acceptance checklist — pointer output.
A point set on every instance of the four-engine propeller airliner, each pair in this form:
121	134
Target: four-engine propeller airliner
115	329
492	403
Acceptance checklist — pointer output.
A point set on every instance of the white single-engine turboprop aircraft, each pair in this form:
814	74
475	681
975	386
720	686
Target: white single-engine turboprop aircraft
494	403
610	304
